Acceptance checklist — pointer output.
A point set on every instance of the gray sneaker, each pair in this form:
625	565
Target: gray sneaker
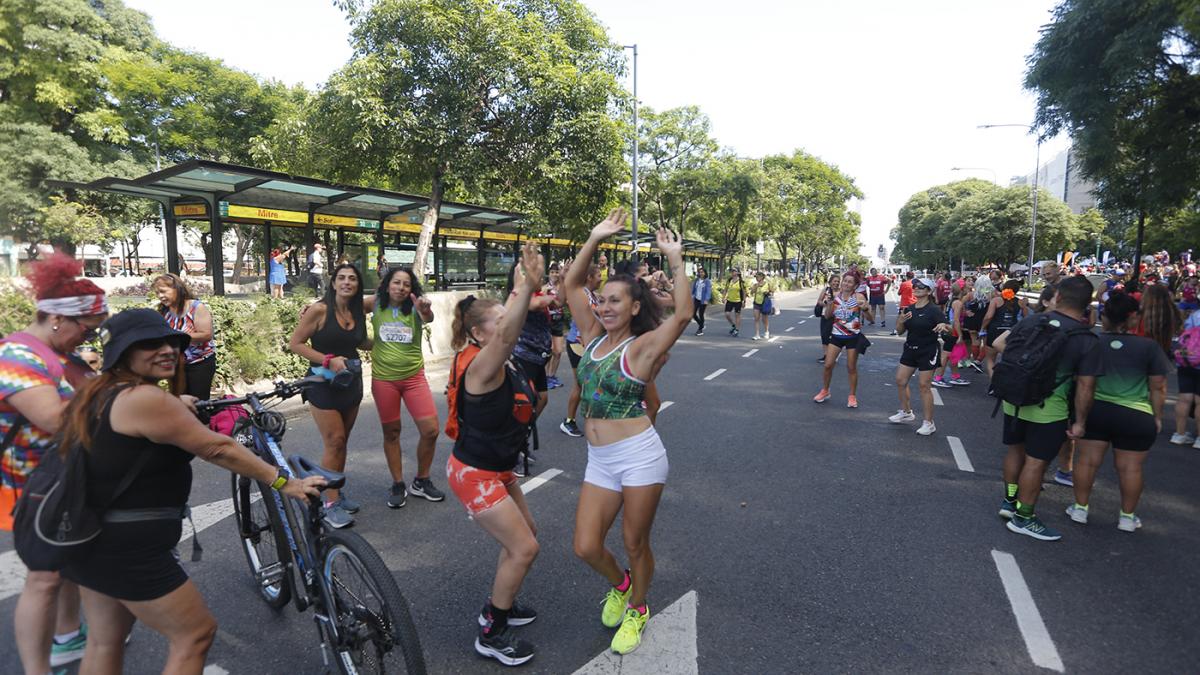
347	503
337	517
424	488
398	496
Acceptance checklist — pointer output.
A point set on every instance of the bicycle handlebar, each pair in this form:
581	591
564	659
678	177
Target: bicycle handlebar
282	390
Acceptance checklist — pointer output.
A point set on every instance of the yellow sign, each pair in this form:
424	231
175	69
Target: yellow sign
395	226
191	210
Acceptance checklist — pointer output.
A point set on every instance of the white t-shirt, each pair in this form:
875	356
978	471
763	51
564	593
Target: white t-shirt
318	262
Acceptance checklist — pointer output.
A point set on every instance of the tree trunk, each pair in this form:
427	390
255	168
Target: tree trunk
240	247
438	189
205	237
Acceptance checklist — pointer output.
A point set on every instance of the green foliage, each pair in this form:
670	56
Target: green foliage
1174	231
252	337
923	234
16	308
805	208
1123	79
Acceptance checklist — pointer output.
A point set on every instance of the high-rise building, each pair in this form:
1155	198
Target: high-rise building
1061	177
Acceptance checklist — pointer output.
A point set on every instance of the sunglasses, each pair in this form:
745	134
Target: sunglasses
89	332
153	344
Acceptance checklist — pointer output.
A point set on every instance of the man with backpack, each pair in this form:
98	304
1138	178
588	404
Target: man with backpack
1034	380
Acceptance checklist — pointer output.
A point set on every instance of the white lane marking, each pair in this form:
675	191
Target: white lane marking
668	645
801	323
790	329
747	355
960	454
773	339
12	570
539	480
714	374
214	669
937	398
1029	620
665	405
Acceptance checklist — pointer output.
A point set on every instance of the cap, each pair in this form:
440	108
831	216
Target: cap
131	326
924	281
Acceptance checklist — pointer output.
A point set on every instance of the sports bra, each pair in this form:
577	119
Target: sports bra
609	390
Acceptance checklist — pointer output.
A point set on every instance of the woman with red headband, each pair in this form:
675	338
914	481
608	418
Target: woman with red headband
38	374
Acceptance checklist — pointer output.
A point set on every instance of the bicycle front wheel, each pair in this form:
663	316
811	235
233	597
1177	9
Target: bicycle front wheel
258	524
375	632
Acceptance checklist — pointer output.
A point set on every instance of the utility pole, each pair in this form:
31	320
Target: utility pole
633	239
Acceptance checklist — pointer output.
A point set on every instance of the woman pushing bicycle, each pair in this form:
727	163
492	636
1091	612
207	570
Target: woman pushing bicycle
491	409
627	340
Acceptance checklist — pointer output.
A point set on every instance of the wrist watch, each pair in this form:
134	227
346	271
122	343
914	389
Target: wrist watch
280	480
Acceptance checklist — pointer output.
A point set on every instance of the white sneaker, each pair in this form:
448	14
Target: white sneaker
927	428
1128	523
1078	514
902	416
767	335
755	338
1183	439
1196	445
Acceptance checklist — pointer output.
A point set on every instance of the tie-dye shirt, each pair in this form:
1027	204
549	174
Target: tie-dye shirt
20	369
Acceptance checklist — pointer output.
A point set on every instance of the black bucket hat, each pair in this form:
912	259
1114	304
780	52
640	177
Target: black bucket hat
124	329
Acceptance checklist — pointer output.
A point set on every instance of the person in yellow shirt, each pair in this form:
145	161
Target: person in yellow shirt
761	290
735	297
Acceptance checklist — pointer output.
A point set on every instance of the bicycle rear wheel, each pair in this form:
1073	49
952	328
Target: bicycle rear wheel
376	633
258	523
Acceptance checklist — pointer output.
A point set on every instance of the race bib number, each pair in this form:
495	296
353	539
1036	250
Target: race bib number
396	332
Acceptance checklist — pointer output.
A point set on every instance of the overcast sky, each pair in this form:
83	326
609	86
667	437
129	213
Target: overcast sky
891	92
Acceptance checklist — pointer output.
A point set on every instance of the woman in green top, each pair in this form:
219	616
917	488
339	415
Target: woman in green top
400	312
1119	393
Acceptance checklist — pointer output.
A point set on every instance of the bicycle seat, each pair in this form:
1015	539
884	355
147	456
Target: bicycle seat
304	468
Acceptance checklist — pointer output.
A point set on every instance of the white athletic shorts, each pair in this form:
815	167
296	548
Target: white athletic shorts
636	461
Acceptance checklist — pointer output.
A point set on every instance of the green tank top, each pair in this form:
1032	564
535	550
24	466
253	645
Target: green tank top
609	390
396	353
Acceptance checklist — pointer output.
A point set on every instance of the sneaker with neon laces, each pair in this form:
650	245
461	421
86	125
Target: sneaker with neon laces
62	653
1008	508
1078	514
1063	478
822	396
1182	439
940	383
614	603
1128	522
629	635
902	416
927	428
851	401
1032	527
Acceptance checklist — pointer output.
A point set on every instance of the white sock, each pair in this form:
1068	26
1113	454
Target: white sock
66	637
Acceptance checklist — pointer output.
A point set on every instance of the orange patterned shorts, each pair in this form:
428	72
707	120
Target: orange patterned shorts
478	489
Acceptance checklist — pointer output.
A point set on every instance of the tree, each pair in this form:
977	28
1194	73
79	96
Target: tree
723	210
1123	79
468	94
923	236
994	226
675	149
805	205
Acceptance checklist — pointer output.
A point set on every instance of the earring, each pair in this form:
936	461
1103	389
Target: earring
55	328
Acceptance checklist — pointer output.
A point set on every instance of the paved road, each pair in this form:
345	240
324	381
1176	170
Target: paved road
816	538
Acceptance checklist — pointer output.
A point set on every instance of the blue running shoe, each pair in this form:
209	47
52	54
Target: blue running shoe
1008	508
1032	527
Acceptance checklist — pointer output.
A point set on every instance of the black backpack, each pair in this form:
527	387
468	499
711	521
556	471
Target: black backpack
1027	372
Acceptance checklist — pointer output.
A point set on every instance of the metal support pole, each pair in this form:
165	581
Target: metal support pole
216	254
633	237
267	256
171	233
1033	230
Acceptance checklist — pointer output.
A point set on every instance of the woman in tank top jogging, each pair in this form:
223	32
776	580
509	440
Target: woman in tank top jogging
845	312
627	465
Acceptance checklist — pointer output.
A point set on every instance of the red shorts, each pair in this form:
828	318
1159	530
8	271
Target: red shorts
413	390
478	489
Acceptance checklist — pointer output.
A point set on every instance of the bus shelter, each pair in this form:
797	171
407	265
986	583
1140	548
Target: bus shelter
473	245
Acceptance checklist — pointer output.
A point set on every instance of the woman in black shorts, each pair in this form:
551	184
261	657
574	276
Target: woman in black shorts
329	335
128	425
920	325
1003	313
1119	395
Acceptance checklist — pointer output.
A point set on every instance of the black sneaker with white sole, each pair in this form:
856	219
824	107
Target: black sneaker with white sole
519	615
569	428
504	646
398	496
425	489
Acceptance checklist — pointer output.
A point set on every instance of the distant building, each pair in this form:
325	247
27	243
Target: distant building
1061	177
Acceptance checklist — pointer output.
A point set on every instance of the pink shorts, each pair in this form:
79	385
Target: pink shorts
477	489
413	390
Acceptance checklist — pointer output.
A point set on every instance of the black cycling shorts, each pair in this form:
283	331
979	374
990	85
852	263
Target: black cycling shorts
1189	380
574	353
921	357
845	342
1041	440
733	306
948	341
993	333
536	372
1124	427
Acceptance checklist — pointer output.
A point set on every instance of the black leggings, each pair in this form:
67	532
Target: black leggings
698	313
199	377
826	330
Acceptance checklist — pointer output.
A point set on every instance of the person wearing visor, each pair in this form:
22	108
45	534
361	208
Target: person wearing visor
129	426
920	324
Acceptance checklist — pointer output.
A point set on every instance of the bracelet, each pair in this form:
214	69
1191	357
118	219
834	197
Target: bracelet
280	481
328	358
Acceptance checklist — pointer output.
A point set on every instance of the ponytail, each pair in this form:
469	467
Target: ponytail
468	314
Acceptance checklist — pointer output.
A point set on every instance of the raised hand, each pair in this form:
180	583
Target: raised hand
423	304
614	223
532	265
668	242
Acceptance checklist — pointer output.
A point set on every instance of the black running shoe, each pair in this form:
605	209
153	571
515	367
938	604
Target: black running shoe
569	428
398	496
423	487
519	615
504	646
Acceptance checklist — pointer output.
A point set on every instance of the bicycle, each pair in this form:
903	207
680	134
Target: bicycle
362	618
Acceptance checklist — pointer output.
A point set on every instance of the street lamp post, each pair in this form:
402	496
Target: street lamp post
1037	170
633	237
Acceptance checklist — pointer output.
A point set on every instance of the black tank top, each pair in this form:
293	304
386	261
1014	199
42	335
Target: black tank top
333	339
490	438
1007	316
164	480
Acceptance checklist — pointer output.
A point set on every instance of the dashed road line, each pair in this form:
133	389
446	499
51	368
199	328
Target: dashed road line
790	329
801	323
748	354
937	398
774	338
1037	639
960	454
715	374
665	405
539	480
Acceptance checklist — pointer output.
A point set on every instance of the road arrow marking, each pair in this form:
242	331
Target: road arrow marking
1029	619
937	398
747	355
665	405
960	454
715	374
668	645
539	480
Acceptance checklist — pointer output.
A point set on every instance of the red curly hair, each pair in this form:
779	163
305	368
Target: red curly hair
57	277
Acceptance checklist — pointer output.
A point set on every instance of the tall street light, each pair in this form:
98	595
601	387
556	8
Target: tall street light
1037	170
633	237
977	168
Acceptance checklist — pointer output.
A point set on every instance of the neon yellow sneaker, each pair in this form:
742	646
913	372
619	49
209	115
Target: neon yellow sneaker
615	603
629	635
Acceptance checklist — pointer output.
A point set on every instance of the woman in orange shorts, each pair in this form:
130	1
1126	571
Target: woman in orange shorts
490	416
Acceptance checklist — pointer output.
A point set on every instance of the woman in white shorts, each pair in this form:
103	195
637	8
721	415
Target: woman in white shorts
627	340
